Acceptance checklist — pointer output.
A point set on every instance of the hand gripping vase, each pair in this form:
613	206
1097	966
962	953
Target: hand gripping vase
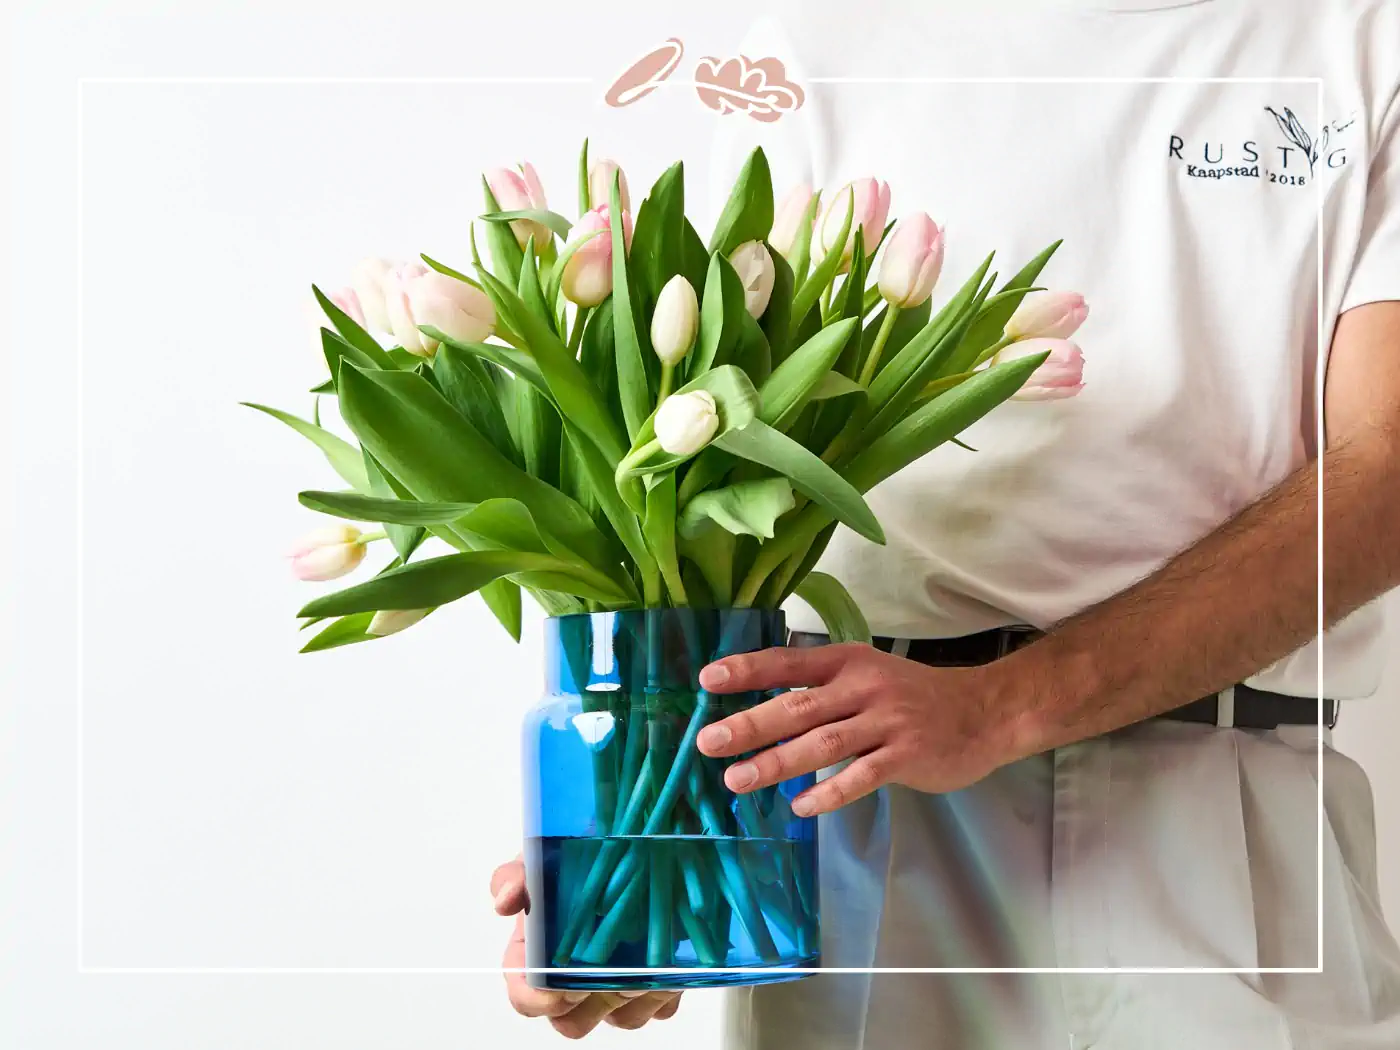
636	854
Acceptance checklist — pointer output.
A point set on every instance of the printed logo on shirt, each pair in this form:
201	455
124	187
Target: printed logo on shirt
756	87
1287	155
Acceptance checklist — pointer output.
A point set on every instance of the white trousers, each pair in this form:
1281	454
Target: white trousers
1164	845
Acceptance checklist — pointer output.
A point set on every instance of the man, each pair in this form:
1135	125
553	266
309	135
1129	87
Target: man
1138	788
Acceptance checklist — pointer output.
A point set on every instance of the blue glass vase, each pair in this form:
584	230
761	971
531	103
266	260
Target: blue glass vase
636	854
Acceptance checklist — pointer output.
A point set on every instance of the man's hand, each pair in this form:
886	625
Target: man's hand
573	1014
932	729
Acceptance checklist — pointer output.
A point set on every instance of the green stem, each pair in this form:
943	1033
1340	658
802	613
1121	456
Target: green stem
576	336
867	373
826	298
991	351
772	554
634	457
668	373
371	537
660	906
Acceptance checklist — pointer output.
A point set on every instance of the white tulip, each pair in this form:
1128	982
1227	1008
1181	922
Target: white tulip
392	621
675	321
754	266
453	307
367	279
325	554
685	423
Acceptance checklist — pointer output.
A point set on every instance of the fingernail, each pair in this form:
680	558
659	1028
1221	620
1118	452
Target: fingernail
803	806
714	676
741	776
506	893
575	997
631	995
714	737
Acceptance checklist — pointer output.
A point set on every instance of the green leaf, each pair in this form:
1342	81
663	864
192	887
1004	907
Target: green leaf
752	352
659	527
777	318
584	204
711	551
351	332
746	508
430	583
599	476
810	290
426	445
404	536
790	386
760	443
657	239
737	404
337	349
989	326
550	220
471	390
506	255
834	385
633	341
357	507
343	457
502	597
531	294
940	420
694	257
721	318
507	357
348	630
448	271
834	604
748	214
801	257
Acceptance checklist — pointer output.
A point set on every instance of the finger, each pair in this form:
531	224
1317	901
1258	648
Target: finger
858	779
508	888
778	668
528	1001
585	1016
822	746
782	718
669	1010
640	1011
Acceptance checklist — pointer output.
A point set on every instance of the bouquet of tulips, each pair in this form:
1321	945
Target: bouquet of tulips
616	415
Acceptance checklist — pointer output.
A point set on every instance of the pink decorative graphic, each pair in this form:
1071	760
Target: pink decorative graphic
742	85
758	87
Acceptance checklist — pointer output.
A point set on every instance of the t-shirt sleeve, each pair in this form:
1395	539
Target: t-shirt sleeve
1375	274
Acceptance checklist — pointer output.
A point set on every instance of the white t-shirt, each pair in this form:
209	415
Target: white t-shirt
1190	217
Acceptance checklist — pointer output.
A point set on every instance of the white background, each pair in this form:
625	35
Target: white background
243	806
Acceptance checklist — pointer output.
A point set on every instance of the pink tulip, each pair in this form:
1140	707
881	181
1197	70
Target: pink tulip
325	554
600	180
787	221
1048	315
1062	374
400	312
521	191
368	281
912	261
349	303
871	200
453	307
587	278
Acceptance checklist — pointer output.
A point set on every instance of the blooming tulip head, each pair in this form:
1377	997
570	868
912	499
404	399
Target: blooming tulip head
754	266
787	219
600	180
587	277
327	553
521	191
1061	376
1048	315
685	423
349	304
391	621
870	200
912	261
400	310
675	321
367	279
453	307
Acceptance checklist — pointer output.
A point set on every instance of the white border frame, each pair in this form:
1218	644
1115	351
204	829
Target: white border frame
1323	352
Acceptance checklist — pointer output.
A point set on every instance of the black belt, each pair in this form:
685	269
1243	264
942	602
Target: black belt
1241	706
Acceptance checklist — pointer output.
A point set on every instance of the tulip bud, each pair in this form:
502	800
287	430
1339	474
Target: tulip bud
675	321
912	261
1061	376
391	621
1047	315
521	191
787	220
754	266
871	201
587	277
349	303
367	280
453	307
600	180
327	553
685	423
400	311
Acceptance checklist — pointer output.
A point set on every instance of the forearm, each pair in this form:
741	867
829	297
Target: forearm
1240	599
